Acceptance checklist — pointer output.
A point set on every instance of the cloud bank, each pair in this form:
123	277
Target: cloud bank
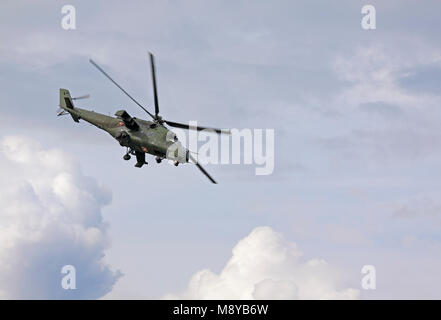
266	266
50	217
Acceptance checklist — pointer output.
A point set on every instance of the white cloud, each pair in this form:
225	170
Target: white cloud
373	73
50	217
266	266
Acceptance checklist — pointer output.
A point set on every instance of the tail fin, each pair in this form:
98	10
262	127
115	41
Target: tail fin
66	103
66	99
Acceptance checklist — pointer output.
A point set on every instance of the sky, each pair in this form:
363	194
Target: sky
355	115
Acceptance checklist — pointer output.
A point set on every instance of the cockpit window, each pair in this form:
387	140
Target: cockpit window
171	137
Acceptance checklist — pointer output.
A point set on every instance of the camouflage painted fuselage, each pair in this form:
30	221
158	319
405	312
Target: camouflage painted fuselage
141	137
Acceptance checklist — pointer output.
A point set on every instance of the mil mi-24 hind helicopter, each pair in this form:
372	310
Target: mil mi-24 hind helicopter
137	135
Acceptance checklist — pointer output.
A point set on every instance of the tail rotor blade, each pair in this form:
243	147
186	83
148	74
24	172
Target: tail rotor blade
155	91
121	88
61	112
87	96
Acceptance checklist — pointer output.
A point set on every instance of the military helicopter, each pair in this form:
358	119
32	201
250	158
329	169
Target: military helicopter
137	135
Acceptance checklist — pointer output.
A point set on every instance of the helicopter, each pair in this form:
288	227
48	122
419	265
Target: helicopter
138	136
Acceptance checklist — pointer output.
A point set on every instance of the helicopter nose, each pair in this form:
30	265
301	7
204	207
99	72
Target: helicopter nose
178	152
183	154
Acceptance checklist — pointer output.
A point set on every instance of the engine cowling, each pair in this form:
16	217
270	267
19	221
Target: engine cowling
129	122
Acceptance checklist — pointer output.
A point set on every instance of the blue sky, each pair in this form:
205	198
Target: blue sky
355	113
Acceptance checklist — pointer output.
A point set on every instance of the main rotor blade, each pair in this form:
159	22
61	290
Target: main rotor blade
116	84
199	128
155	92
203	170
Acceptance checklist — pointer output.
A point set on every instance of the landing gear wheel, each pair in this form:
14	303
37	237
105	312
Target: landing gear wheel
127	157
176	163
158	160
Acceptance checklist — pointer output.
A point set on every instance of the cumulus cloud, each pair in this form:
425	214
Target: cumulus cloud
50	217
398	123
375	73
266	266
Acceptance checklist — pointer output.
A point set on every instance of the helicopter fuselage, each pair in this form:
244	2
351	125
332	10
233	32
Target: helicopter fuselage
138	135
